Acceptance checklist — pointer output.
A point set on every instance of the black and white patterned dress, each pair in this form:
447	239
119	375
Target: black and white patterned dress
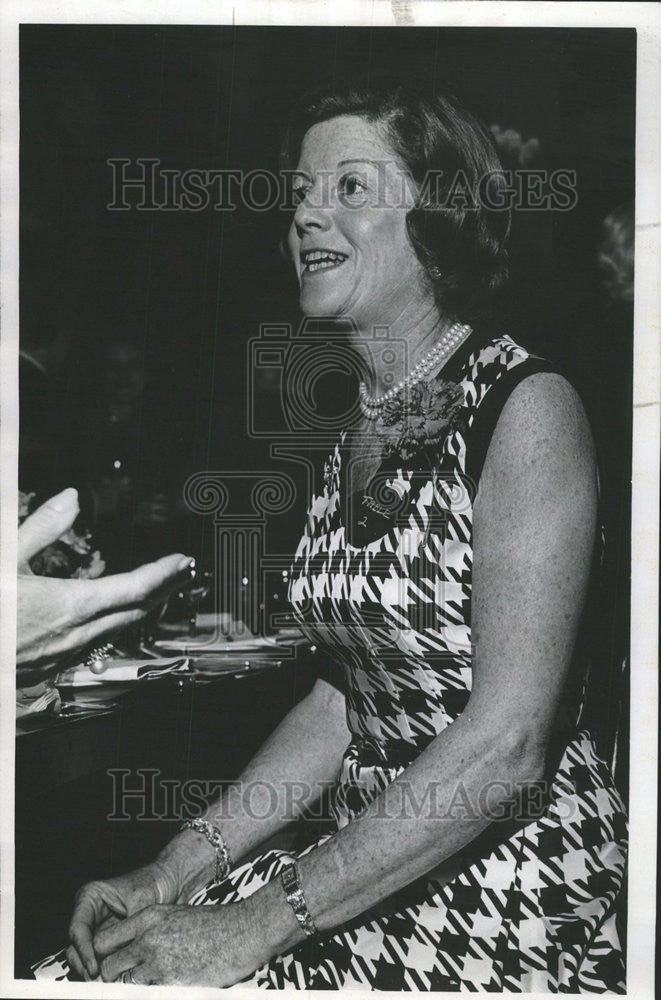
528	906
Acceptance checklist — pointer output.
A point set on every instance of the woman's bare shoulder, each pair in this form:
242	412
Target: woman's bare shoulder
543	430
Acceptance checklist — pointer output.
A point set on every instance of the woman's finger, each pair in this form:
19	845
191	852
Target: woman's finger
107	625
47	524
109	922
71	640
110	939
141	976
76	963
120	961
142	585
84	920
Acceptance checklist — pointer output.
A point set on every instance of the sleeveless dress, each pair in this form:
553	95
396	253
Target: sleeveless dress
530	904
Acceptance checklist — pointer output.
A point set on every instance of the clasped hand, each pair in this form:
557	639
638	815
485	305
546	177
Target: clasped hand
186	945
123	924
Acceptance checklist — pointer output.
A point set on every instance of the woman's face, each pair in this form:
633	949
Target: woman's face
353	197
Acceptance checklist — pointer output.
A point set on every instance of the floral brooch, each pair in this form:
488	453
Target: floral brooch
414	423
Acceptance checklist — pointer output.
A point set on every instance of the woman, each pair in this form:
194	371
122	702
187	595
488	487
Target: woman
478	842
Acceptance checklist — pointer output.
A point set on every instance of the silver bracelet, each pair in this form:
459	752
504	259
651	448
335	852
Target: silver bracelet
217	841
291	883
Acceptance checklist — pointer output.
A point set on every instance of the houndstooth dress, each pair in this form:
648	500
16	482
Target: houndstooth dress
529	905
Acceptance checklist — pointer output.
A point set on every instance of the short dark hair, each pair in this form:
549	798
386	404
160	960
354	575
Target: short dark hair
462	246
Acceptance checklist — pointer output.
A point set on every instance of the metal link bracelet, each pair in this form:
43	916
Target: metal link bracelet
217	841
291	883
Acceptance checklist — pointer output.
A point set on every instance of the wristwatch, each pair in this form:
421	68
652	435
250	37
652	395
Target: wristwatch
291	883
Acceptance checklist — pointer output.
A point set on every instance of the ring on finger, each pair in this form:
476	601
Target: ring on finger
127	977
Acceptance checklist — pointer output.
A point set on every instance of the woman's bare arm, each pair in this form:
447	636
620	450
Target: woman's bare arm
286	776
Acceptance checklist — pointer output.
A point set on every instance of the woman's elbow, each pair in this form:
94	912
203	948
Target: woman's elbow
513	749
523	752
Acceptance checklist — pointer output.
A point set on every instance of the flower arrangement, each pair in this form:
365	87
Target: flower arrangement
71	556
413	423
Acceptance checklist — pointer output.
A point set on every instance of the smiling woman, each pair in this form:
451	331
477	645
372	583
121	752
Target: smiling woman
349	240
477	841
420	169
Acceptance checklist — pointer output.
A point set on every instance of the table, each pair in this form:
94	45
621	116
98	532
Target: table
70	775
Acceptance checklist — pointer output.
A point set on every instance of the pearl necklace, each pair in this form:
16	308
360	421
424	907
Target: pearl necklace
371	406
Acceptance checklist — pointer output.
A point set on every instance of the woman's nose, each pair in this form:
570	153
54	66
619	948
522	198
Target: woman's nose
312	212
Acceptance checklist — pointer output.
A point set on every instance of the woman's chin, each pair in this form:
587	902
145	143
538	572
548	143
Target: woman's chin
314	304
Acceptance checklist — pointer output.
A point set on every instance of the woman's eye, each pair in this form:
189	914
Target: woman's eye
352	185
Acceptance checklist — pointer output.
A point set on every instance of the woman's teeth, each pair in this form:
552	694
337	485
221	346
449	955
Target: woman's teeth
319	265
317	260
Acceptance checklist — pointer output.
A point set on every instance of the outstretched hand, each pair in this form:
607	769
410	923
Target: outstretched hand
57	617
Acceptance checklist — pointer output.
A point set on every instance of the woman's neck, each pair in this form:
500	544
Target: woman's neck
411	337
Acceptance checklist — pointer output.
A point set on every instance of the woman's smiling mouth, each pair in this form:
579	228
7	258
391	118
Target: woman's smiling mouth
320	260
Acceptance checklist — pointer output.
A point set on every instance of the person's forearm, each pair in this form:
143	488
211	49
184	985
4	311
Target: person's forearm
431	811
285	777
